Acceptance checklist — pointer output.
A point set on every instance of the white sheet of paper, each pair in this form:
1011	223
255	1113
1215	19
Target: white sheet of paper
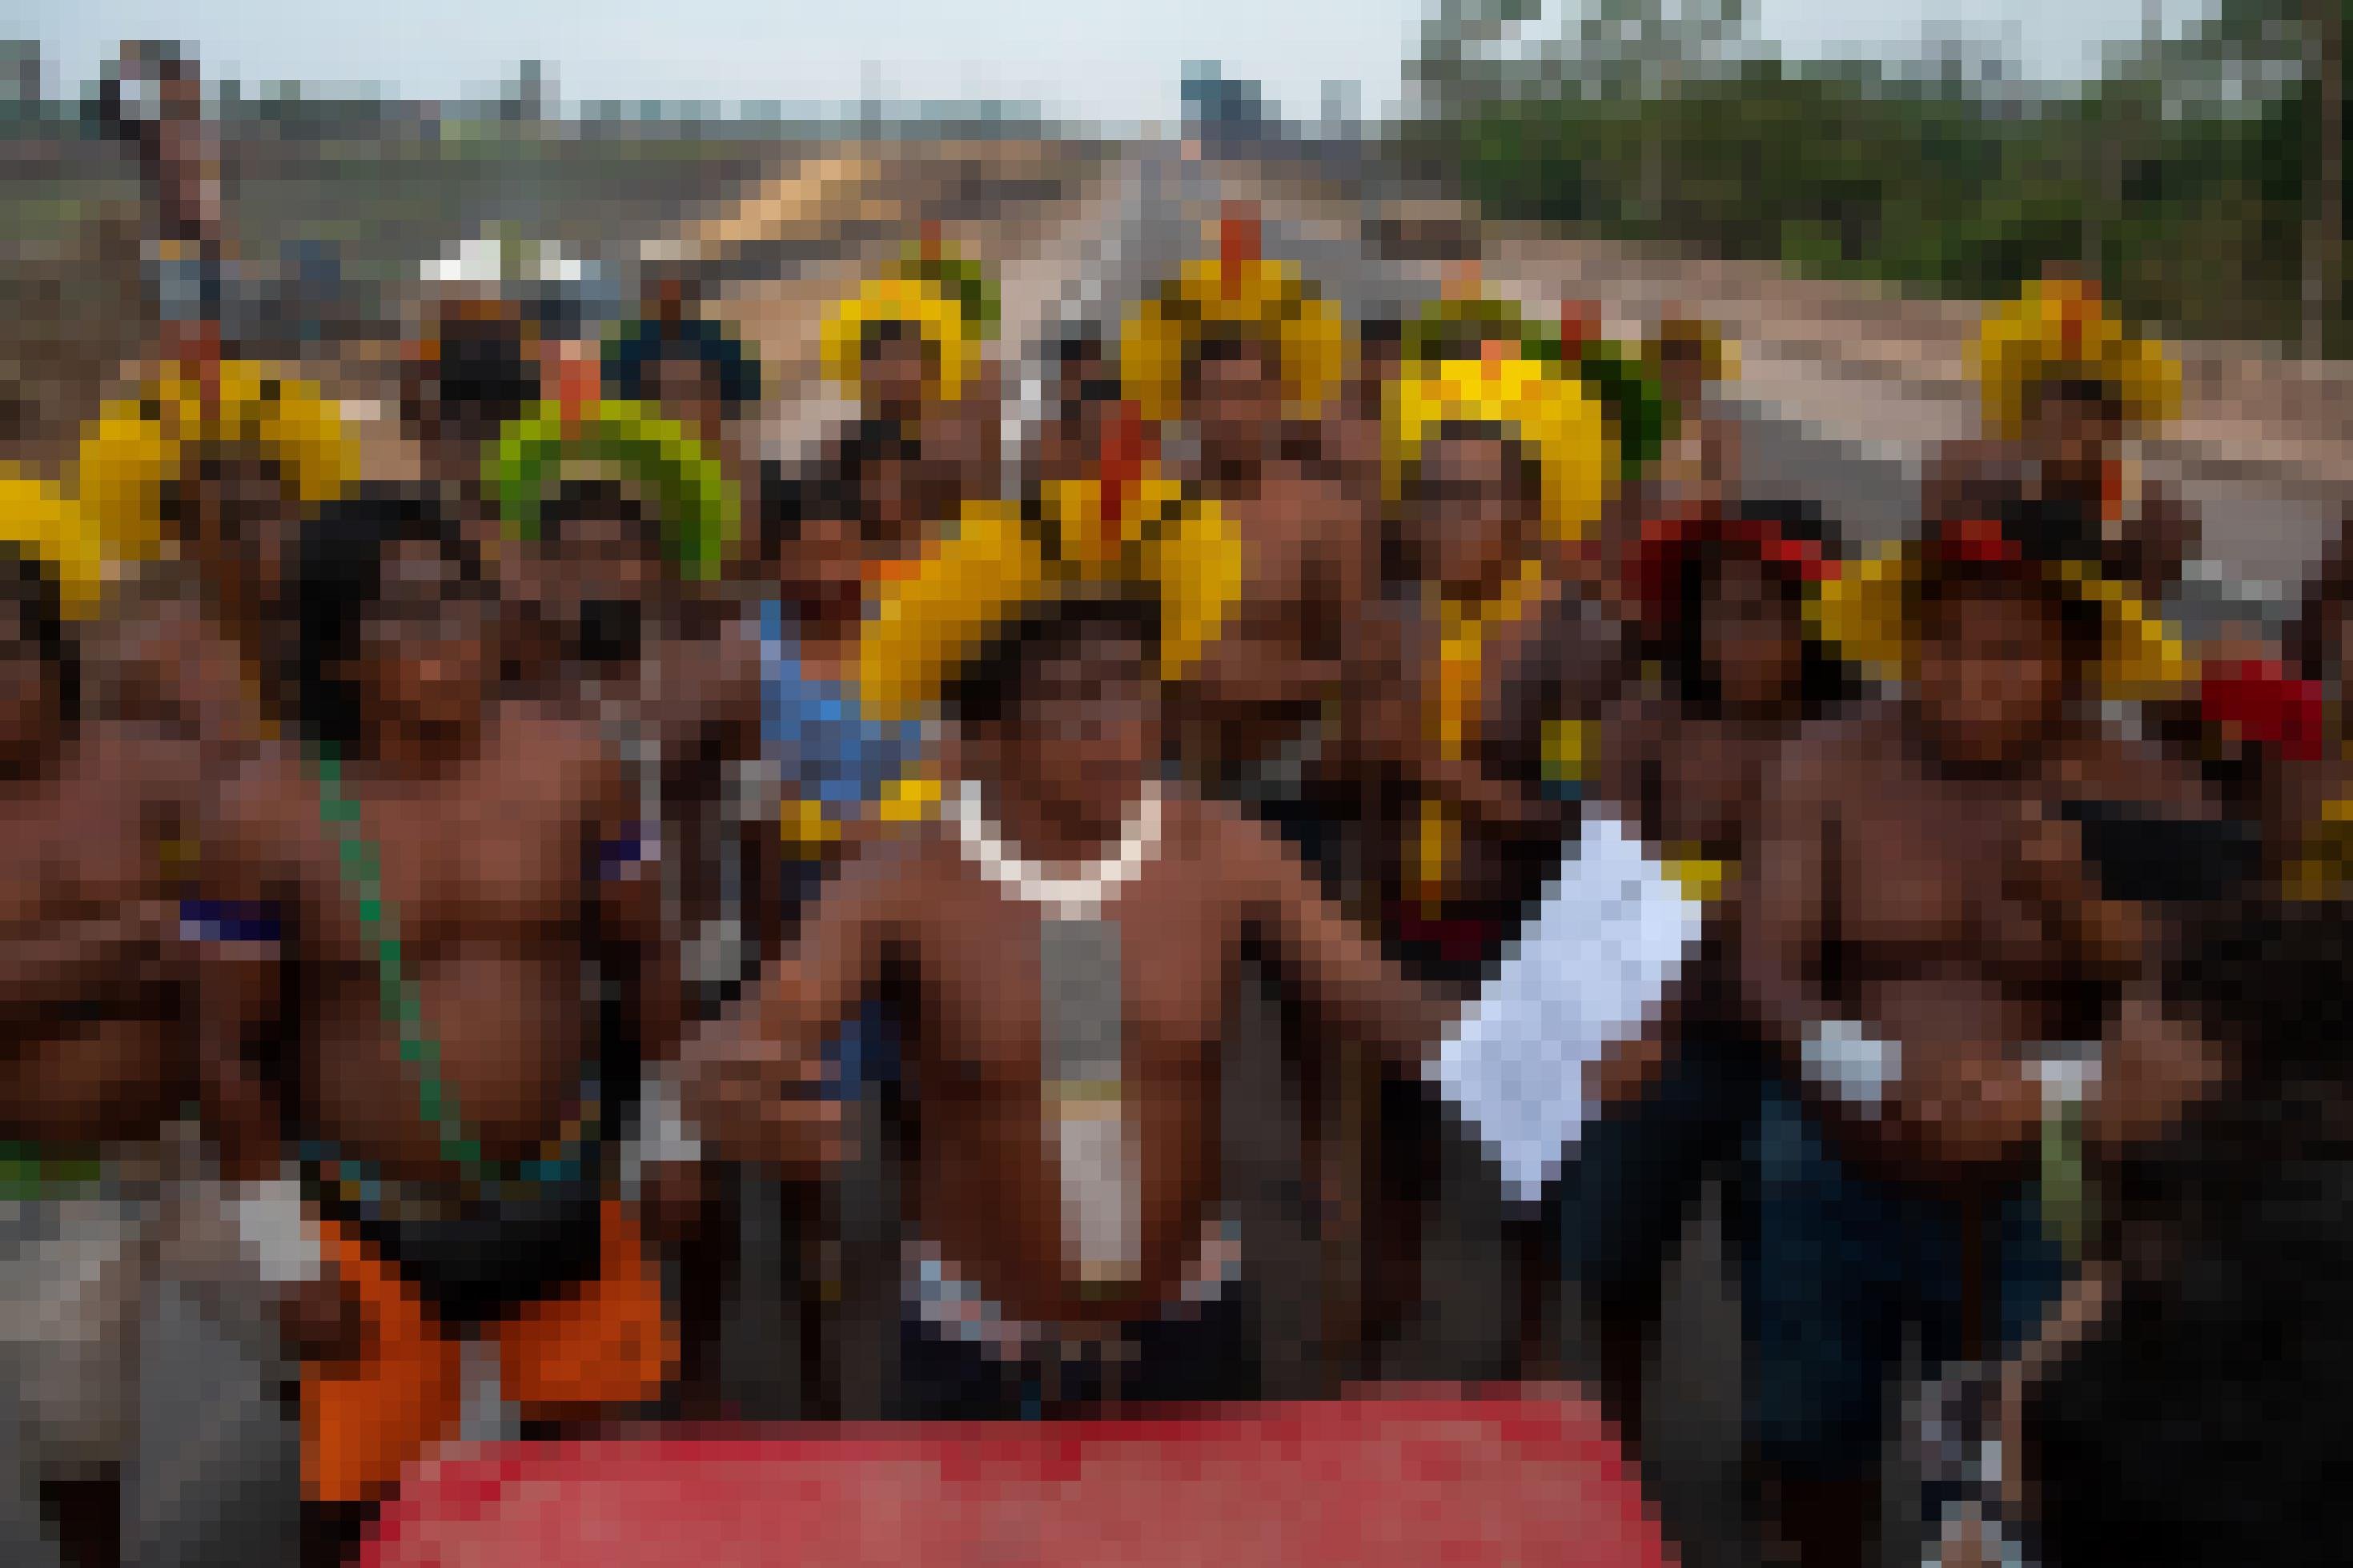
1589	967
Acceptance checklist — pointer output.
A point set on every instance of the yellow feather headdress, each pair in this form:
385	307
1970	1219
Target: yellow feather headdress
1237	290
138	444
1001	562
44	522
2061	328
1869	612
1554	419
941	294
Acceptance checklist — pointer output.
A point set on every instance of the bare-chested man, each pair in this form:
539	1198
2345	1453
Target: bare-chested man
696	373
447	976
909	347
1476	662
1350	448
1923	934
1701	466
1477	673
1251	723
97	1069
1723	601
670	670
622	620
2064	385
202	483
477	366
1084	397
1066	950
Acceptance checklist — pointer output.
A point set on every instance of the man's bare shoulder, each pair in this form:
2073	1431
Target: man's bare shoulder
259	820
1843	756
144	762
1189	820
563	753
1240	851
1310	497
559	730
891	883
2116	766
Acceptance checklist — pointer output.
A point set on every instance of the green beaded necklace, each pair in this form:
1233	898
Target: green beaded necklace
363	871
404	1007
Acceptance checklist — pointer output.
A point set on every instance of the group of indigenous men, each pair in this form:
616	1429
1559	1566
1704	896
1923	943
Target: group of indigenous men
441	908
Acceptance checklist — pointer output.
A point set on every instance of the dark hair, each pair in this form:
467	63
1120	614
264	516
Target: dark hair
340	578
1221	341
871	445
27	582
1401	554
987	686
890	330
2083	626
208	459
1824	681
482	376
631	358
1519	458
2202	1423
1079	343
786	498
2082	389
575	501
1383	331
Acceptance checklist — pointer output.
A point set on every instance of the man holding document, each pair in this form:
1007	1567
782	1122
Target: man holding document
1939	934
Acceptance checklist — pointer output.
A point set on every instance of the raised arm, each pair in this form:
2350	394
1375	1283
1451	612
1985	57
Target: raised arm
1355	999
753	1081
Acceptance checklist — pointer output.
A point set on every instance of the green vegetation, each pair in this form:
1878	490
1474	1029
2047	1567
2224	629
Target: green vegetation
2185	176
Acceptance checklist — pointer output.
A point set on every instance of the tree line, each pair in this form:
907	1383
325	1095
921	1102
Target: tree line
2199	178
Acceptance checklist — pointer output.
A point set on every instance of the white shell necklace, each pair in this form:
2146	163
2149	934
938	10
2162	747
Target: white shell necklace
1077	897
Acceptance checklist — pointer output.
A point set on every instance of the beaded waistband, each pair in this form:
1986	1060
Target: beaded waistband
943	1300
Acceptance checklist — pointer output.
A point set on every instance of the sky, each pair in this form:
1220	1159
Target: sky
1112	60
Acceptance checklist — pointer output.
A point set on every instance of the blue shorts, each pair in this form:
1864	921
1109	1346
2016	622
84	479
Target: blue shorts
864	1056
1838	1266
1639	1167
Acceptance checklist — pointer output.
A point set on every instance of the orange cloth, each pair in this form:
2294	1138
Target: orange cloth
599	1344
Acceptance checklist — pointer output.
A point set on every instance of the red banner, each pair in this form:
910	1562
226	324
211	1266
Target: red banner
1401	1480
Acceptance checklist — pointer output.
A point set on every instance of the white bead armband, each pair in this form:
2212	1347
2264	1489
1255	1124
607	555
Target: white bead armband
273	1225
1851	1064
2068	1073
666	1134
